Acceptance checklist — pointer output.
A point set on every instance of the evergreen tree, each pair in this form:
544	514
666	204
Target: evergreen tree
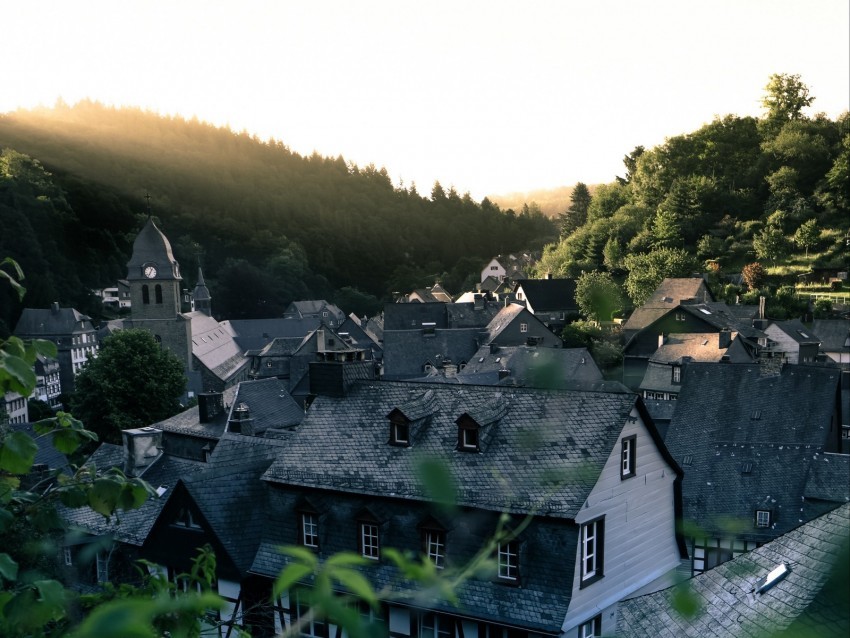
576	215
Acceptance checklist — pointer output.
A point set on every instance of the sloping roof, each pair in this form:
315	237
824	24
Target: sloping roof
829	476
699	346
132	526
834	334
269	403
669	294
535	367
342	445
151	245
546	295
795	329
729	606
36	322
406	351
215	346
47	453
188	422
731	415
231	495
254	334
503	319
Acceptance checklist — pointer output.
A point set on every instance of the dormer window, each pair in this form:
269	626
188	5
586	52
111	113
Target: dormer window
399	432
677	374
762	518
468	439
309	530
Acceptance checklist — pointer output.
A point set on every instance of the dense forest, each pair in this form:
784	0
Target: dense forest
270	226
267	225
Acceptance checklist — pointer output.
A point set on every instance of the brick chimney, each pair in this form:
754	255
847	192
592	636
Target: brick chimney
724	339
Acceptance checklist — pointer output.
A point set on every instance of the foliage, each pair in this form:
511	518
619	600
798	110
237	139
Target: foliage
647	270
132	383
770	243
823	309
807	235
753	275
598	296
576	215
785	98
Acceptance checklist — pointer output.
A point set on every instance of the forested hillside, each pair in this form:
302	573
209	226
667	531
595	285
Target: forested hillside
772	191
268	225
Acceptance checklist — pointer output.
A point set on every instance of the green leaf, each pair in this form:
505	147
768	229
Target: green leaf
20	376
357	584
67	441
45	348
301	554
8	567
104	495
6	517
290	576
8	485
685	602
73	496
119	619
17	453
438	481
346	559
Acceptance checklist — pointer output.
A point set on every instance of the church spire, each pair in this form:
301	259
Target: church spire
201	295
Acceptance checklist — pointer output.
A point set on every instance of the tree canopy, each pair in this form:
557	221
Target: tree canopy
133	382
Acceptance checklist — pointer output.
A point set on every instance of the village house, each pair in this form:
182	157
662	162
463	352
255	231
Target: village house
553	301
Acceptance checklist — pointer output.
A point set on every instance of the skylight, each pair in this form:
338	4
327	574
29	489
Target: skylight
705	311
773	578
803	334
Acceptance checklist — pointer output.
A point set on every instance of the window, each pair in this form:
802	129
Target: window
102	559
680	316
309	530
467	435
69	558
434	542
591	629
399	433
627	457
762	518
158	293
508	560
313	626
592	539
523	327
436	626
677	374
146	295
186	519
369	544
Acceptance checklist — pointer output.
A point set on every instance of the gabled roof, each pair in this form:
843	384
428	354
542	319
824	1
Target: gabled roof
270	405
215	346
795	329
407	351
669	294
562	368
699	346
728	415
503	319
834	334
547	295
40	322
254	334
132	526
728	605
342	445
188	422
313	308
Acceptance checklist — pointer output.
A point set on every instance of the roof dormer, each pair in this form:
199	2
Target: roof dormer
475	427
408	420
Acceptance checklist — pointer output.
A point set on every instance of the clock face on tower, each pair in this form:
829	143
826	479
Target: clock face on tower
150	272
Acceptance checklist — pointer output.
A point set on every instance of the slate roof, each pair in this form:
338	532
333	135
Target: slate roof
795	329
729	416
828	478
729	606
188	422
269	403
254	334
548	295
698	346
152	245
502	320
313	308
46	454
132	526
342	445
407	351
833	333
533	366
36	322
666	297
231	495
215	346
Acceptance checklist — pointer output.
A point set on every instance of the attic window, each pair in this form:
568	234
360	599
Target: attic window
762	518
429	327
688	460
803	334
468	439
746	468
756	415
680	316
523	327
677	374
704	311
399	432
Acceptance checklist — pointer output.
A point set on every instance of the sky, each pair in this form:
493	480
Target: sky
491	97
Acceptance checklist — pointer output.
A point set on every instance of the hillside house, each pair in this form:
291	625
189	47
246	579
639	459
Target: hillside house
553	301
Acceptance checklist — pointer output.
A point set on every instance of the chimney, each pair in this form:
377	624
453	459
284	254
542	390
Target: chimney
661	339
142	446
762	302
240	420
320	340
724	339
478	302
210	405
549	275
54	308
450	370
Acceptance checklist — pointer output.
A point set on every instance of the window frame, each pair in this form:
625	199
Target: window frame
303	533
677	374
507	557
399	432
434	538
628	457
523	326
592	566
592	628
365	547
758	516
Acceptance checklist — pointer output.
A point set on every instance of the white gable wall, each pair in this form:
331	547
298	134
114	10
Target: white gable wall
493	269
639	540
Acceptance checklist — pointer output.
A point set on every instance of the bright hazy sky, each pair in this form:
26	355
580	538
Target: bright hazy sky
491	96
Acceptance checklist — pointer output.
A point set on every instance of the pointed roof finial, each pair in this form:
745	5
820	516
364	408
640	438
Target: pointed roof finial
148	198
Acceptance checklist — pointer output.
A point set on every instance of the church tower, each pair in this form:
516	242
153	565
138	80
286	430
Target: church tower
155	285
